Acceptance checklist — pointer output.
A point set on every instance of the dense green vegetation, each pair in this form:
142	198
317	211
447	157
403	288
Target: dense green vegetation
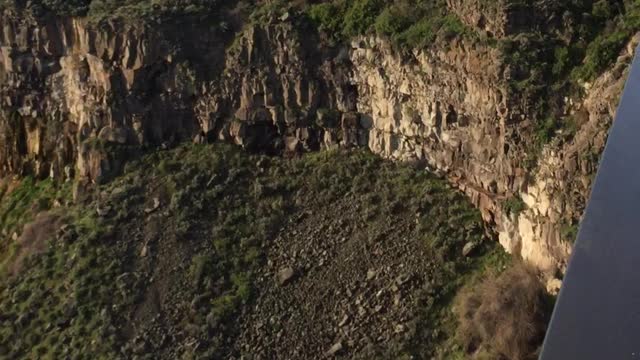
132	9
543	57
616	22
408	23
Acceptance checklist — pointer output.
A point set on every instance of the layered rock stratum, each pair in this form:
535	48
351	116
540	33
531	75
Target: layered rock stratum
76	94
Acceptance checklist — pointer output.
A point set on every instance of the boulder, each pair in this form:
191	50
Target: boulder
285	275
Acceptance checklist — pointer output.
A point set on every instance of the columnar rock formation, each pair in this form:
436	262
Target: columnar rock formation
69	89
559	187
72	93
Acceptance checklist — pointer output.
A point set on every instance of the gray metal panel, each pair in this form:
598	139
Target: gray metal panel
597	315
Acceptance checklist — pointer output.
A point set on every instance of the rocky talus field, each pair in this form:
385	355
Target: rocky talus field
204	251
247	179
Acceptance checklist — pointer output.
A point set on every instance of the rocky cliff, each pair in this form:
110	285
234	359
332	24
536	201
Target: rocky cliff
69	88
452	109
76	97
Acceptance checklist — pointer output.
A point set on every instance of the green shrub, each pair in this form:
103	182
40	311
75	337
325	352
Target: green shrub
452	26
418	35
242	285
224	306
269	10
201	265
601	53
361	15
329	17
602	9
514	205
130	9
68	7
569	231
407	22
393	20
614	29
562	61
546	130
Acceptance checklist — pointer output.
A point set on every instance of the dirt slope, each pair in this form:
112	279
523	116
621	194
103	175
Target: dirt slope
207	252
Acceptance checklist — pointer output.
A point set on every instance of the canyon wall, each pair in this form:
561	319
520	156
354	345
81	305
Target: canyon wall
451	108
558	189
75	96
68	90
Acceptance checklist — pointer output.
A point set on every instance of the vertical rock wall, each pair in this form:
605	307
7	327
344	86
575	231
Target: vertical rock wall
71	93
69	89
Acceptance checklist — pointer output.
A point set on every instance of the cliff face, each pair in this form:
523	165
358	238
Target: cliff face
74	96
69	88
559	187
451	109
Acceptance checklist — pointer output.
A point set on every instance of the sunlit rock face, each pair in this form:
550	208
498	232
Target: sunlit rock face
68	89
75	96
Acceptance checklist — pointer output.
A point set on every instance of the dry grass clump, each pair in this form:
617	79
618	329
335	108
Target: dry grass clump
503	316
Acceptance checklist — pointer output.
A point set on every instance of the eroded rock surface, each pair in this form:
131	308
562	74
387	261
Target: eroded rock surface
76	96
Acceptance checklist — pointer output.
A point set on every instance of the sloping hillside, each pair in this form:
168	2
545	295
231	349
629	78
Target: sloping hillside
209	252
